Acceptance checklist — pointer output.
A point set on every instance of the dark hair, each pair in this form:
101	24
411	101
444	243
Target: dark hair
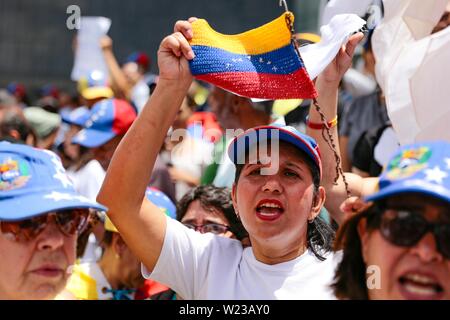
320	235
350	278
107	238
11	118
210	198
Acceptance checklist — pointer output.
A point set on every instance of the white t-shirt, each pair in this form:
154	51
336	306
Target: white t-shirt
205	266
140	94
88	180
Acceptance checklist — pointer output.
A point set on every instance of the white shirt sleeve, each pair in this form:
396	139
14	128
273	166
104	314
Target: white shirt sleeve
188	259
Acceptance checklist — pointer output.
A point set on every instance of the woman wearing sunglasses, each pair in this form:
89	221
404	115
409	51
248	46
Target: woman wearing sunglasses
289	257
40	218
399	247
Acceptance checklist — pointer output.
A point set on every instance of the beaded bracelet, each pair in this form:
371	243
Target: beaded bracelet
319	125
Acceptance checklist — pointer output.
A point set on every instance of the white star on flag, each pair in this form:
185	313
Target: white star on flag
261	60
435	174
274	68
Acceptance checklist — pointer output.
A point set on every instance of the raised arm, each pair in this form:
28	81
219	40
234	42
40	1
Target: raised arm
327	84
141	223
118	79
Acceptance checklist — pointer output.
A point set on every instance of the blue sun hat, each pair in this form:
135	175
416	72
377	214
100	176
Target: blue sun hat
33	182
417	168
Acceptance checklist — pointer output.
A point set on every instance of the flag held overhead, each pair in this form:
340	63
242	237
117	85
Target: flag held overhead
261	63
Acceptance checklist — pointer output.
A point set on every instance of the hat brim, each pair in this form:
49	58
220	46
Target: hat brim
30	205
97	92
411	186
90	138
284	135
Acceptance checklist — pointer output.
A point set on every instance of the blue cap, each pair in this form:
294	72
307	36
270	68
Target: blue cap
108	118
417	168
162	201
250	137
33	182
78	116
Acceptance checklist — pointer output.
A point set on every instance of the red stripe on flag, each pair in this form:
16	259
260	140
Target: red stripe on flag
264	85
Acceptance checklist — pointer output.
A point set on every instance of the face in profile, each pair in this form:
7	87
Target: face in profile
36	268
411	262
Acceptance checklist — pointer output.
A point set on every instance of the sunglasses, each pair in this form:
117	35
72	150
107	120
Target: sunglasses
214	228
69	222
405	227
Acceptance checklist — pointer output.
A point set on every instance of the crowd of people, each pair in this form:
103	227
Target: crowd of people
131	188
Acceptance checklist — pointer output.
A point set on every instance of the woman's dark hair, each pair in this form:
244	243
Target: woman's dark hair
213	198
320	235
350	278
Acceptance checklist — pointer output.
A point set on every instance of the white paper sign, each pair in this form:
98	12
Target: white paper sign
88	55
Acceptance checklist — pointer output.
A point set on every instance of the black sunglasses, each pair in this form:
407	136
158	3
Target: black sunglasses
69	222
405	227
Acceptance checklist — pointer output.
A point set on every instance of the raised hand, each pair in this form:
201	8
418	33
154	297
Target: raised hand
174	53
343	60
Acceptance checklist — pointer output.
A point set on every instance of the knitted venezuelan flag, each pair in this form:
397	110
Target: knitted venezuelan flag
260	63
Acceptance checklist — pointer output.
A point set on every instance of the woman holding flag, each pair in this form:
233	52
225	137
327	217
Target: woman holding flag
290	255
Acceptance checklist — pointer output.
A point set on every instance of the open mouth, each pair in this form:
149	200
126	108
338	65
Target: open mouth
415	286
269	209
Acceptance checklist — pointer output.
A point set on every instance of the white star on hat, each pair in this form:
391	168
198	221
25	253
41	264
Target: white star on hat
447	160
60	174
58	196
81	136
435	174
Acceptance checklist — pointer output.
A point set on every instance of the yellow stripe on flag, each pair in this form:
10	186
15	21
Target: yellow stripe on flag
271	36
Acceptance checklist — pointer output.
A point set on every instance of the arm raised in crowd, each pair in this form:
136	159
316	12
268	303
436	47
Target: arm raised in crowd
327	84
122	88
141	223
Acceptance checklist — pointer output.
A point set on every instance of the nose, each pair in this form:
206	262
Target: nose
51	238
272	184
426	249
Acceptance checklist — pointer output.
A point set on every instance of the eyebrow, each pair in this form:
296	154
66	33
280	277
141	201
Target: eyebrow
292	164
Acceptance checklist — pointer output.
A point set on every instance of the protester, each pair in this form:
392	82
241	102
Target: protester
188	153
40	218
94	87
46	125
207	209
274	209
235	113
14	127
128	81
399	247
117	275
